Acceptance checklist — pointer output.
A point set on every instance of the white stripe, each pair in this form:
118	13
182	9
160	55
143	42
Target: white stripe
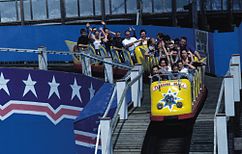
78	132
87	144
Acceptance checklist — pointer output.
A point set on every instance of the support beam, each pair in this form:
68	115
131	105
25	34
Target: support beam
174	19
139	12
230	14
194	14
204	22
63	11
22	11
103	10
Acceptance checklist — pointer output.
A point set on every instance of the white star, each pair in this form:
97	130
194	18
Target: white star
54	88
3	84
76	90
29	86
91	91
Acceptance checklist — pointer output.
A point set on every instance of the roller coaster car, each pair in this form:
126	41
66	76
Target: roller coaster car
177	99
95	66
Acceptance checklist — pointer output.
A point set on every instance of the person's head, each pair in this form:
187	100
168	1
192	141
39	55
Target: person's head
180	65
155	69
167	39
94	29
176	41
174	52
96	34
117	34
151	41
143	33
160	36
106	30
127	34
184	54
183	41
163	62
83	32
170	45
175	68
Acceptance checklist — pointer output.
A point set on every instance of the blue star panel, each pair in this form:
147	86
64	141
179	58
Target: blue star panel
38	108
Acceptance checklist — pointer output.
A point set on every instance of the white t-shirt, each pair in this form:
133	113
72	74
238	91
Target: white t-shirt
145	42
184	70
128	41
96	44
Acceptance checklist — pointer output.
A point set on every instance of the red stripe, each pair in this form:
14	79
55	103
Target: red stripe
36	108
86	139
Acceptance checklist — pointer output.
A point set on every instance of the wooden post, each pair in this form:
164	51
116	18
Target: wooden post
222	137
108	70
135	87
42	56
86	65
123	112
106	135
229	97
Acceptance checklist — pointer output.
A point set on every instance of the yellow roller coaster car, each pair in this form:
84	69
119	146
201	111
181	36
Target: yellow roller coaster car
177	99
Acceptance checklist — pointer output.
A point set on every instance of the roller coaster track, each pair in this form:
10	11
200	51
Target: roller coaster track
129	135
172	137
203	131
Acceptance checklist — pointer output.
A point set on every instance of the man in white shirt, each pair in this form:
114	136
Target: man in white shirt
130	43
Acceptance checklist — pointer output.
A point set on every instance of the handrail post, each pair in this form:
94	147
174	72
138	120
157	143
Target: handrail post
221	125
203	73
108	70
135	91
106	135
229	97
86	65
123	112
234	71
236	60
140	67
42	57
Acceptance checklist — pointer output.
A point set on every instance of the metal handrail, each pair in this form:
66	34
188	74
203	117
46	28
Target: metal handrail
216	112
128	85
105	115
218	107
99	58
82	53
115	117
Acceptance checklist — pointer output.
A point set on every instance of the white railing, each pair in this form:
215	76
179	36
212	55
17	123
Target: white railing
107	124
230	93
86	57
